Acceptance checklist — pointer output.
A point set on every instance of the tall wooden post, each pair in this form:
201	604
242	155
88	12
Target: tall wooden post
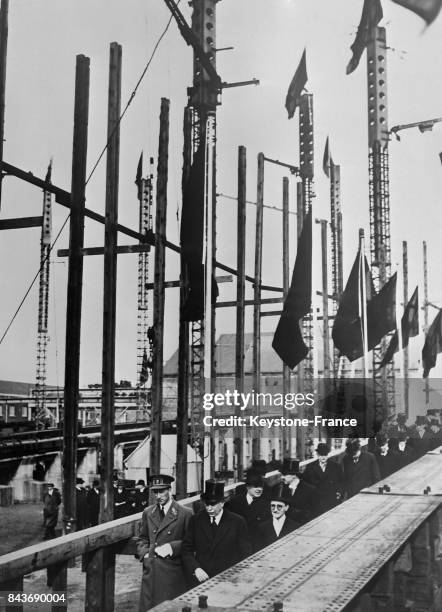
256	443
240	300
4	9
286	437
326	339
427	382
182	417
406	354
300	436
159	293
74	290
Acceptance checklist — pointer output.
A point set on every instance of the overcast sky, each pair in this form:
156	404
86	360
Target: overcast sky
269	37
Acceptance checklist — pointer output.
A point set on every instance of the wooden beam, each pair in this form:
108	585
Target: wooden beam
20	223
256	442
120	250
182	416
159	293
240	299
286	435
4	9
100	571
74	291
176	284
251	302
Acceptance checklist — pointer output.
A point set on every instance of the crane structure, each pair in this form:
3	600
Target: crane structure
41	412
379	202
144	343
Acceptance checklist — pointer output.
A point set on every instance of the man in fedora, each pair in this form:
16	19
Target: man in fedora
81	504
163	525
253	505
280	524
327	478
216	538
51	503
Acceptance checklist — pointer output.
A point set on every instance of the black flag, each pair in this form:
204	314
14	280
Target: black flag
433	344
381	313
287	341
139	176
296	87
371	16
347	328
409	327
327	161
427	9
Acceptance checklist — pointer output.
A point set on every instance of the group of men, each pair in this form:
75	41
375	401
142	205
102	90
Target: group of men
180	549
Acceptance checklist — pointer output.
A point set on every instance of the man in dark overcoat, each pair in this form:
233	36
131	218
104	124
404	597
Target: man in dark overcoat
327	477
253	505
216	538
51	503
141	497
93	504
121	504
81	504
159	545
301	495
360	468
280	524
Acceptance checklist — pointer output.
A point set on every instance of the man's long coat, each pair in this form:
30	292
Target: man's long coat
215	553
163	578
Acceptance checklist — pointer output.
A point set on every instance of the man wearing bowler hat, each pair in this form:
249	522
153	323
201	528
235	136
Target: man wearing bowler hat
327	478
163	526
280	524
253	505
216	538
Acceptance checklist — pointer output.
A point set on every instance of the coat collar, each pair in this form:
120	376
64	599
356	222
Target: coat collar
171	516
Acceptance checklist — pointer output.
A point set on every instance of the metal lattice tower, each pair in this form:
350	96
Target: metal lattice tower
306	172
41	412
203	99
380	246
144	345
339	363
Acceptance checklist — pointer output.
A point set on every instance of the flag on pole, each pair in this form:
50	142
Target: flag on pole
327	161
433	344
381	313
427	9
347	327
144	369
288	341
409	328
139	176
371	16
296	87
192	237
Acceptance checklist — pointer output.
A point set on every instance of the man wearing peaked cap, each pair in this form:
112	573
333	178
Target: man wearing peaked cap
216	538
280	524
253	505
163	525
141	497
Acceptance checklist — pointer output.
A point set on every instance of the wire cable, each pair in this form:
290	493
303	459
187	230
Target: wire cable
129	102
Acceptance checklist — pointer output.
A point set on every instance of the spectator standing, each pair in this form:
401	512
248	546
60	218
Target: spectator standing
327	477
121	505
360	468
93	503
81	504
280	524
141	499
51	503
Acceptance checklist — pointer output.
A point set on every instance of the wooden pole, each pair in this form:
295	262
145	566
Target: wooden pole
286	437
300	435
182	418
100	578
74	291
256	443
406	354
240	299
326	339
159	291
4	9
427	382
